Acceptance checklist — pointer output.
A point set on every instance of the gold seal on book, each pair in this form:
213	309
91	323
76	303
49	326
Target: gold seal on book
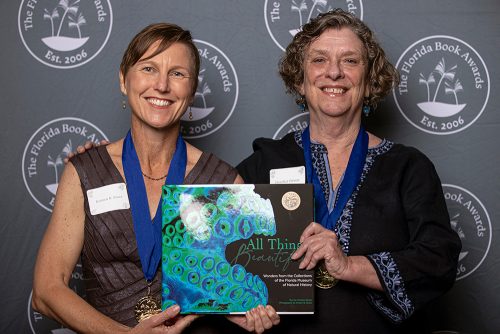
322	278
290	200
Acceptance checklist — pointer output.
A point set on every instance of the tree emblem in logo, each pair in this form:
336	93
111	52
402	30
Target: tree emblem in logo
456	226
318	6
197	113
69	11
78	30
285	18
456	83
451	86
216	95
470	220
45	151
55	163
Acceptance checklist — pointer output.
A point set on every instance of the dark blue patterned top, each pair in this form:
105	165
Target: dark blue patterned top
396	217
384	263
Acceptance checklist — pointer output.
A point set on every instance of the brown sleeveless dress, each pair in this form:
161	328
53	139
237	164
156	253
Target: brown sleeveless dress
112	271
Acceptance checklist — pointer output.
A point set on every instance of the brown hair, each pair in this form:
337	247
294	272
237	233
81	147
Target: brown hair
382	75
167	34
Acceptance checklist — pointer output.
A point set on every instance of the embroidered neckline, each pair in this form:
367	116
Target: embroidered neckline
404	306
384	146
343	229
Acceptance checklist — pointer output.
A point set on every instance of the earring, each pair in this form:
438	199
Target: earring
190	114
124	102
301	102
366	110
366	107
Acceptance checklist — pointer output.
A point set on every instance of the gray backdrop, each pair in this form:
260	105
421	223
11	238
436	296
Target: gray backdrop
59	87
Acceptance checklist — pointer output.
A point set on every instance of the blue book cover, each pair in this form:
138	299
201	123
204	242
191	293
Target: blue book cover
227	248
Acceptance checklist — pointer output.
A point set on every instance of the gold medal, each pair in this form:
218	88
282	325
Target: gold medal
322	278
147	306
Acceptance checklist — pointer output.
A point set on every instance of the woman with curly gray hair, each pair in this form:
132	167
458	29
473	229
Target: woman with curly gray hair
382	246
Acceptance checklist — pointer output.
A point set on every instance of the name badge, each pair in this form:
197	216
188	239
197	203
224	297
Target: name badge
288	175
108	198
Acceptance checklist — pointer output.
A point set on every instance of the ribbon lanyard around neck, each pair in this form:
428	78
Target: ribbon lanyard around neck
352	176
147	232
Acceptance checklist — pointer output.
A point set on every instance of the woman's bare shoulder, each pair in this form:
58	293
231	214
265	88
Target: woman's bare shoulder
373	140
115	149
193	155
115	152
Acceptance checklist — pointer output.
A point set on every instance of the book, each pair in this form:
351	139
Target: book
226	248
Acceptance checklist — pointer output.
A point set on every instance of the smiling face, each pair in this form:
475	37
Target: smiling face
160	88
335	75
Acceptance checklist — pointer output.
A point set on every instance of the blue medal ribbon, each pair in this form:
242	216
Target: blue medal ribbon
349	182
147	231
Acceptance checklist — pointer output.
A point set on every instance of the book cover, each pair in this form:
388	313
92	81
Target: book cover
227	248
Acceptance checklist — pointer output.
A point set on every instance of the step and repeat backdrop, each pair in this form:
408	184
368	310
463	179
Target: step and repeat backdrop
59	88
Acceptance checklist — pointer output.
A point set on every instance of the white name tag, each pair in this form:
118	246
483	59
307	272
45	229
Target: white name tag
108	198
288	175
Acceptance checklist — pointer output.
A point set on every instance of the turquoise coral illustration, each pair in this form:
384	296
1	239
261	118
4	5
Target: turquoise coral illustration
198	224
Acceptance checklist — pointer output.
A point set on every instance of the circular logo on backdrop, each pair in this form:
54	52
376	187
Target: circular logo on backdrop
444	85
40	324
45	151
285	18
297	122
65	33
216	95
469	218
